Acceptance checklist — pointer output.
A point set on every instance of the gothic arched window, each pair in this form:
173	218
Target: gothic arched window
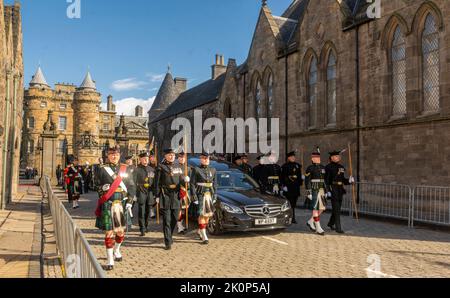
430	64
312	92
331	89
258	99
270	99
398	60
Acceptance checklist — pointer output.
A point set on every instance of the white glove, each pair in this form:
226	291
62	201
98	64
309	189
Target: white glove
135	199
129	206
196	202
329	195
303	177
187	179
351	180
106	187
157	200
285	189
309	197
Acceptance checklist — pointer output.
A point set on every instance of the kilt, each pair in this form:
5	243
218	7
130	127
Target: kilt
74	190
205	206
318	202
105	221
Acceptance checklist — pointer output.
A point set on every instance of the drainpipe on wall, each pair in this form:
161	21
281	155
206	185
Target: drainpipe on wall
5	143
358	115
286	145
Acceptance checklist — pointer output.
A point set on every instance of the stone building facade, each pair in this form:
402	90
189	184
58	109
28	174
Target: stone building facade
11	95
84	129
334	76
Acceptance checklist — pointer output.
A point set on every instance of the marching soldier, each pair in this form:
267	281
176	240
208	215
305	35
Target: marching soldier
184	194
144	176
258	171
335	178
291	177
204	186
117	191
169	180
74	181
317	191
246	168
271	175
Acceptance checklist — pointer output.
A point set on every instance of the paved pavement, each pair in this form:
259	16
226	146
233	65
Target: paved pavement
369	249
20	235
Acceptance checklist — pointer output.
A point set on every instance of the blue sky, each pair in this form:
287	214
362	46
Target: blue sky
127	45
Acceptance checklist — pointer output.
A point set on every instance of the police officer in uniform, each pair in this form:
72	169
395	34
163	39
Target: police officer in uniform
144	176
168	182
117	190
291	177
271	175
246	168
335	178
317	190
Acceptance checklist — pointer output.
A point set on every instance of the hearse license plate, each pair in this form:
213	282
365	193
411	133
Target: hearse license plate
265	221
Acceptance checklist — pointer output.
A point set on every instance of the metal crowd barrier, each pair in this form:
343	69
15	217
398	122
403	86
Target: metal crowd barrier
420	204
78	259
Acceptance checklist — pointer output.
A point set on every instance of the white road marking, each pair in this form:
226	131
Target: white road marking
275	240
379	274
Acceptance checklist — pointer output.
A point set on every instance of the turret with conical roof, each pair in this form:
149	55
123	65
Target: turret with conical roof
87	120
38	80
166	96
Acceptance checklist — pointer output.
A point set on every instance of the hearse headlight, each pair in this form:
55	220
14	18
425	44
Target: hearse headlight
286	206
231	209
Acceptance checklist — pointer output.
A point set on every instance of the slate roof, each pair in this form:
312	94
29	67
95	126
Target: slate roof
202	94
359	11
295	12
166	94
287	28
141	121
88	83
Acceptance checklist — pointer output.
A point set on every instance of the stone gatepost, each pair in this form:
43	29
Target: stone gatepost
48	151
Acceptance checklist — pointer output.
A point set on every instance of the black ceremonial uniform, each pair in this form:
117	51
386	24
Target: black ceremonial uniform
335	178
247	169
168	181
204	187
271	178
315	185
258	171
291	178
144	178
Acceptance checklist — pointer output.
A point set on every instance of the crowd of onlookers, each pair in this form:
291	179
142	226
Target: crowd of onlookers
30	173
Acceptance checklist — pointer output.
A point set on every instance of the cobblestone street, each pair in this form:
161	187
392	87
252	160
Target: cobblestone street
295	252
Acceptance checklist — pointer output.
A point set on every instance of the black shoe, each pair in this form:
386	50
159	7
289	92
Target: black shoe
168	247
109	267
206	242
331	227
118	259
340	232
142	233
294	221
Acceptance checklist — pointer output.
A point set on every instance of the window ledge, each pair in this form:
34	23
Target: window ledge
312	128
331	126
429	114
395	118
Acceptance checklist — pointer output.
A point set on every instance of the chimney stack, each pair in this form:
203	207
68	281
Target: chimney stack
109	105
139	111
219	67
180	84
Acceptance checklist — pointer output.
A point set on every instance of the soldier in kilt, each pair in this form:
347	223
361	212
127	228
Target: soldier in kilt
74	182
317	190
185	198
204	186
117	192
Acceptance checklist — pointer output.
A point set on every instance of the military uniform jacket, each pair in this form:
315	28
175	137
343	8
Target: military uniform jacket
247	169
105	179
168	181
203	179
258	173
291	177
271	171
144	178
335	177
315	178
74	174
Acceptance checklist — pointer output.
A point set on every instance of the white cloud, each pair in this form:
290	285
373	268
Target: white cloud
126	106
127	84
156	78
